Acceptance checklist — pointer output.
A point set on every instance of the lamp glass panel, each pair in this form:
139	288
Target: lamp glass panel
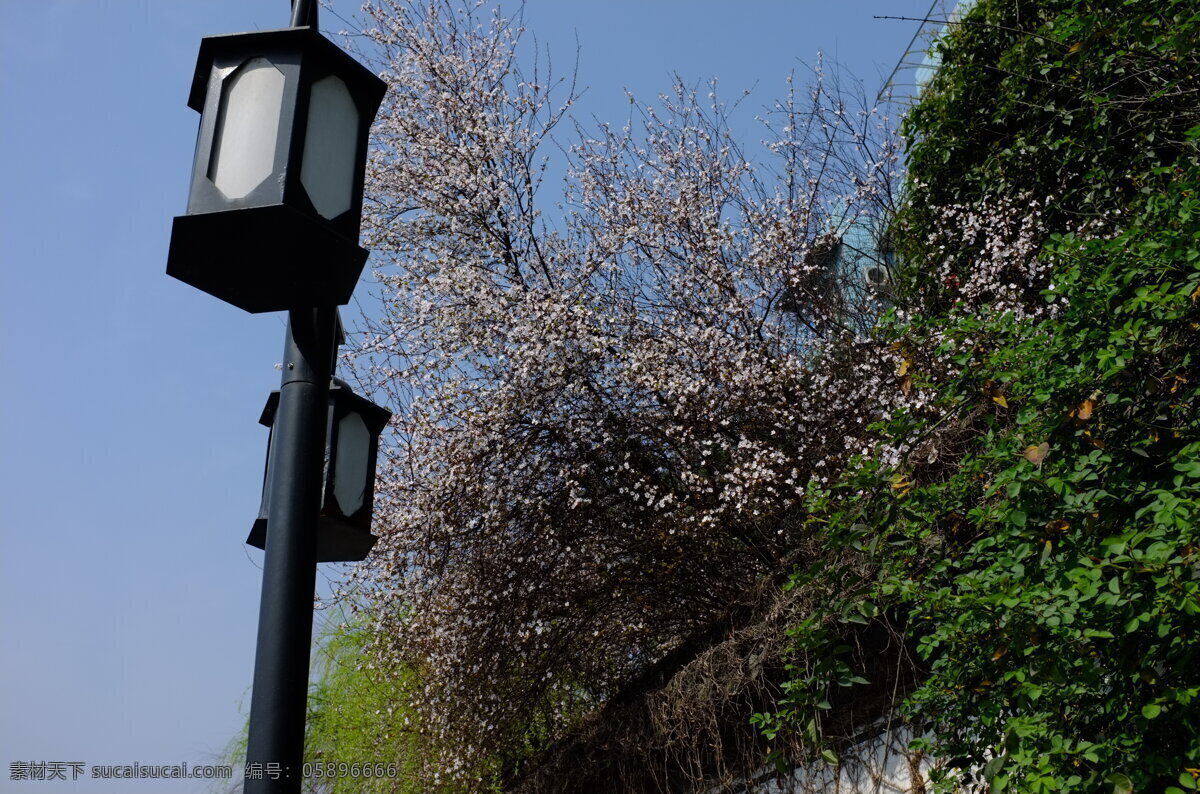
247	128
330	147
353	459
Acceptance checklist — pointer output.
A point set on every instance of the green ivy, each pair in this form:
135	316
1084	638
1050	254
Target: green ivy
1049	580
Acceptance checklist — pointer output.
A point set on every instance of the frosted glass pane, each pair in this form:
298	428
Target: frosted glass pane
353	458
247	128
330	143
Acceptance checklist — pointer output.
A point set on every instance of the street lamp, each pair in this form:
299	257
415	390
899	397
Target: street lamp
272	225
276	193
348	492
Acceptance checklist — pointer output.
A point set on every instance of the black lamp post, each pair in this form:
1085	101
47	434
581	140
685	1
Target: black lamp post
272	225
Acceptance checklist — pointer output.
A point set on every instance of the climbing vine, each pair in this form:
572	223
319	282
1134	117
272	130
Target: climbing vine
1030	533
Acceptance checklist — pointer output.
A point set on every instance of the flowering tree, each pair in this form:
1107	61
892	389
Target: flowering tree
605	421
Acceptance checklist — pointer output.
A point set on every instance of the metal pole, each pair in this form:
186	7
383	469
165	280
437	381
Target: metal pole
279	699
304	13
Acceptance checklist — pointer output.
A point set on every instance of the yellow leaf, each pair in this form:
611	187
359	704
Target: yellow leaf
902	370
1036	453
1000	652
1076	47
998	399
1084	411
906	384
1058	525
1195	294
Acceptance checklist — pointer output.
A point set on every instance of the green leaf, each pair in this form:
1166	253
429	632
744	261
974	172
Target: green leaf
830	756
1151	710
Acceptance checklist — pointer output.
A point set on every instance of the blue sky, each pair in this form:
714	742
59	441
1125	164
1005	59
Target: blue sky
131	458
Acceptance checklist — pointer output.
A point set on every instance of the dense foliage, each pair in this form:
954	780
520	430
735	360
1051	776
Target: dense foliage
620	433
1035	541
